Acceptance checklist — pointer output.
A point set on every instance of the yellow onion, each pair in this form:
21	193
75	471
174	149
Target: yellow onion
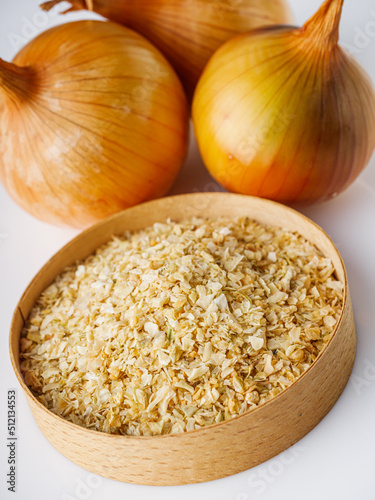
93	120
187	31
284	113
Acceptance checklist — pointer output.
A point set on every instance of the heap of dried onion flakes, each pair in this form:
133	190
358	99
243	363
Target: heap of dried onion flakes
180	326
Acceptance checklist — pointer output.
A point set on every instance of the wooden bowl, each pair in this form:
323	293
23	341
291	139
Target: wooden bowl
221	449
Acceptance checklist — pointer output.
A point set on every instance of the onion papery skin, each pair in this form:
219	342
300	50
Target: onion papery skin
93	120
284	113
188	32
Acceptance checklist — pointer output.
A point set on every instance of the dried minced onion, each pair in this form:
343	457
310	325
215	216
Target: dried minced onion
180	326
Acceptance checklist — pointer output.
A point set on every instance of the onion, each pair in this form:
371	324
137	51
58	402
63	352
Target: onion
93	120
284	113
187	31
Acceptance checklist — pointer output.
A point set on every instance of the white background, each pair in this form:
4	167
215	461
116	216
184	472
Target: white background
336	461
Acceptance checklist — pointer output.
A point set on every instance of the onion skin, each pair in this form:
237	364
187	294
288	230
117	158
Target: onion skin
285	114
93	120
188	32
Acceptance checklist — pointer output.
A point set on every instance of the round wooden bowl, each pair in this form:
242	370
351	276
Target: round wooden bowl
221	449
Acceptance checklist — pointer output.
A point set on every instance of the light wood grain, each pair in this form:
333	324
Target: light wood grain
222	449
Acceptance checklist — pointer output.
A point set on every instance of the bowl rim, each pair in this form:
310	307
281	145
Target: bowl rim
107	221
